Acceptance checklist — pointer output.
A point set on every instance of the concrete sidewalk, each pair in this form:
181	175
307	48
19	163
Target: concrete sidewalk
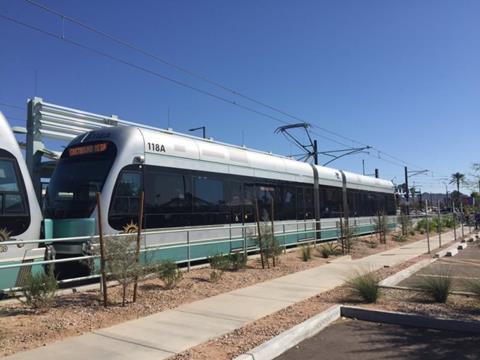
169	332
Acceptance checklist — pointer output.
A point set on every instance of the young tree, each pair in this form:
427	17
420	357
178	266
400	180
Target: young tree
121	261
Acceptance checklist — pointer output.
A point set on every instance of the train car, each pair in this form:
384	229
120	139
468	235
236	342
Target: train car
20	214
201	197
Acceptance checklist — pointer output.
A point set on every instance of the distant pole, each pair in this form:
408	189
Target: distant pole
439	226
463	217
406	190
315	152
376	173
454	221
363	167
427	225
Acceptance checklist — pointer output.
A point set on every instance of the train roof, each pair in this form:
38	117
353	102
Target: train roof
181	149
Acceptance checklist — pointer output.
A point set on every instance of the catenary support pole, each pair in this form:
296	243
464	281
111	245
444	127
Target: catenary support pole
427	225
439	225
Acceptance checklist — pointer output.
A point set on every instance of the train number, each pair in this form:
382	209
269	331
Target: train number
156	147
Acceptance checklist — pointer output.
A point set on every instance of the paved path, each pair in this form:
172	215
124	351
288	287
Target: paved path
169	332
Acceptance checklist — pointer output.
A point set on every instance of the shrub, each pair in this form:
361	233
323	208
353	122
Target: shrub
399	237
412	233
215	276
237	261
329	249
121	261
219	262
306	252
169	273
474	286
381	227
405	223
39	290
437	287
365	285
371	243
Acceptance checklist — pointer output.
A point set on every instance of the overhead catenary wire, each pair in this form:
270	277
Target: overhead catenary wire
152	72
212	82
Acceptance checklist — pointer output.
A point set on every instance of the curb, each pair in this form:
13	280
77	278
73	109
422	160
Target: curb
450	251
405	273
397	318
289	338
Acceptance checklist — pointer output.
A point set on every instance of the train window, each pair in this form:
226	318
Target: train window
8	178
309	204
127	193
300	204
265	197
14	212
14	204
77	178
234	200
167	192
208	194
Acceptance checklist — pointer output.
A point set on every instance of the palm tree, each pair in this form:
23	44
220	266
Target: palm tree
457	178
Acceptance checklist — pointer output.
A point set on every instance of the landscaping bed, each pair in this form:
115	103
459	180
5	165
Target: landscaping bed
81	312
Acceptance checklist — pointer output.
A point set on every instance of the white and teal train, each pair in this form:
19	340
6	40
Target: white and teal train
201	196
20	215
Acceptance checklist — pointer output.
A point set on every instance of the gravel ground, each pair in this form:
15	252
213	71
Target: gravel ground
246	338
81	312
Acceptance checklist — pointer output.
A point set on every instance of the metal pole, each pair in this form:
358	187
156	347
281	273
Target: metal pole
102	252
188	250
406	190
137	249
315	152
454	221
363	167
284	240
439	226
462	217
427	225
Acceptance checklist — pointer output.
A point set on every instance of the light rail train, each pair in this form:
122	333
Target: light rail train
20	214
200	190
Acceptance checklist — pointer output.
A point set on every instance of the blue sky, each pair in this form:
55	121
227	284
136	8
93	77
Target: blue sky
402	76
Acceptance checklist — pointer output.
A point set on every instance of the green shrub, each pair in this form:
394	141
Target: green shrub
169	273
329	249
121	261
399	237
474	286
215	276
39	290
437	287
371	243
306	252
365	285
237	261
219	262
231	262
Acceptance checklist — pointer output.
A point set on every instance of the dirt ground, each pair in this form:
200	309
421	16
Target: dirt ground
369	341
81	312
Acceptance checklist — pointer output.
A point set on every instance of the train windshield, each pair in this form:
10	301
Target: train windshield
79	175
